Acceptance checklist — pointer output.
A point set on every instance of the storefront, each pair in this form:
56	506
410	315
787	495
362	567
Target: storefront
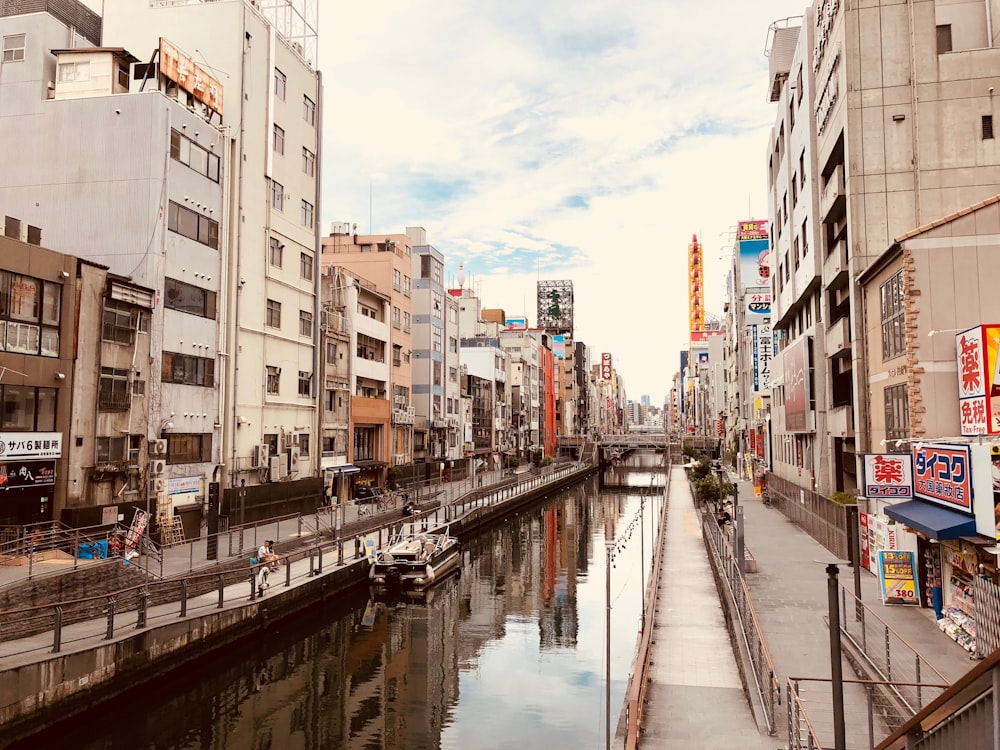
28	476
954	534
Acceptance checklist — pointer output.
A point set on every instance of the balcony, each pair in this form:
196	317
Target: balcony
834	195
838	339
835	267
840	421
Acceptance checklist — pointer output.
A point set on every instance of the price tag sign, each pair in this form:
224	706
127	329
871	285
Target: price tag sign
897	577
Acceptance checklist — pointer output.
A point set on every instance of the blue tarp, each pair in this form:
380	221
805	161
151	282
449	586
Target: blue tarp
933	521
94	550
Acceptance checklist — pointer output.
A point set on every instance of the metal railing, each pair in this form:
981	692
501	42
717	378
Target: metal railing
765	679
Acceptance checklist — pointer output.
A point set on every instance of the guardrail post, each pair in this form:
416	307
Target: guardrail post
222	586
253	586
141	618
57	631
299	520
31	559
312	564
110	633
340	552
319	570
888	654
184	598
190	556
288	574
76	549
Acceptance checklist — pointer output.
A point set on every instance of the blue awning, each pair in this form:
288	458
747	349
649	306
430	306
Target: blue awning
932	521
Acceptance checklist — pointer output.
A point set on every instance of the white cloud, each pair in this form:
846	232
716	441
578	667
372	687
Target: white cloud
532	142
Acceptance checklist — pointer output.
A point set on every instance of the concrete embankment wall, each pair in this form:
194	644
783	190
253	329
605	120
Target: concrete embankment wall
48	688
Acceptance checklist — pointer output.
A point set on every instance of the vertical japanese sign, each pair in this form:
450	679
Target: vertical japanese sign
888	475
761	353
696	292
897	575
978	352
606	366
136	530
942	474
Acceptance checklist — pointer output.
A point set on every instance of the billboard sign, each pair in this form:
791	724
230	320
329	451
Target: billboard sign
976	350
756	306
796	384
559	347
897	574
516	324
190	76
887	475
942	474
754	250
606	368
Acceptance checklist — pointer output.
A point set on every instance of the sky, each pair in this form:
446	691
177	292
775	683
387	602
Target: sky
532	143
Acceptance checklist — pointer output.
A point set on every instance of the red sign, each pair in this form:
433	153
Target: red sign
943	475
888	474
606	366
190	76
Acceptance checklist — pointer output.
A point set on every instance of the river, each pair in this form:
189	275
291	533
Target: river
510	653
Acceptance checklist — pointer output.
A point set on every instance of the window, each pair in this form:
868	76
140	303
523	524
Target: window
273	319
275	252
189	153
307	214
193	225
30	311
13	48
795	189
25	408
893	337
308	162
273	379
987	127
329	398
189	298
805	237
897	412
277	196
74	71
113	393
306	266
453	345
279	139
308	110
395	278
305	323
397	355
406	285
406	321
395	316
305	380
186	369
331	352
795	252
303	444
109	450
188	448
280	84
802	169
119	322
944	38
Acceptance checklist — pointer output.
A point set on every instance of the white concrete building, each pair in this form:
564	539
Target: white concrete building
269	314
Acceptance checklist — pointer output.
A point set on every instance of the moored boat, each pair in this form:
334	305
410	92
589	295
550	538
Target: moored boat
414	561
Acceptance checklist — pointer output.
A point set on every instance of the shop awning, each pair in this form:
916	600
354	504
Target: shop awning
932	521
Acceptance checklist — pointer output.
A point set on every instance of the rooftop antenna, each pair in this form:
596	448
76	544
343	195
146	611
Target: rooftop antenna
370	230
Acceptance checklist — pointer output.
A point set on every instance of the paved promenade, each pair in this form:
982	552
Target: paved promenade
694	698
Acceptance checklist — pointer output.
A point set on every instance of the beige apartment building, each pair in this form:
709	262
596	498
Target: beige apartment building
884	124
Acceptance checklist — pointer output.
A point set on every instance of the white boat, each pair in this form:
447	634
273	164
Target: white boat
414	561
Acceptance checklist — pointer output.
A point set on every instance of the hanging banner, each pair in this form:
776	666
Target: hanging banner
897	575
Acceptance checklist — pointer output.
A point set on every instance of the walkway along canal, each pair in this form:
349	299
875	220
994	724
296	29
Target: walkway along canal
506	653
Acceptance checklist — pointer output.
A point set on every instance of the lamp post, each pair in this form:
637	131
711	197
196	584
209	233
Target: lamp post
609	546
836	667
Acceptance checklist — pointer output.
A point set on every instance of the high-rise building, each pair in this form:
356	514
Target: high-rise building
880	129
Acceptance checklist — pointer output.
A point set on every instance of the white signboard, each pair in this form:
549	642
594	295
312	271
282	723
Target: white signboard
30	445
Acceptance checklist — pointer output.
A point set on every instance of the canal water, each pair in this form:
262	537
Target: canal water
510	653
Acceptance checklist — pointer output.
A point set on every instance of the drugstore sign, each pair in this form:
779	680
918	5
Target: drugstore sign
888	475
942	474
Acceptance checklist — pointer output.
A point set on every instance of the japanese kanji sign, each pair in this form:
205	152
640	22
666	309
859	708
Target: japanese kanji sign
942	474
888	475
976	350
30	445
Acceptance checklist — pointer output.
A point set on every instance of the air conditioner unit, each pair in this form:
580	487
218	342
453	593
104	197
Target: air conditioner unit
157	485
277	468
261	454
411	411
158	447
157	466
293	460
293	439
399	400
